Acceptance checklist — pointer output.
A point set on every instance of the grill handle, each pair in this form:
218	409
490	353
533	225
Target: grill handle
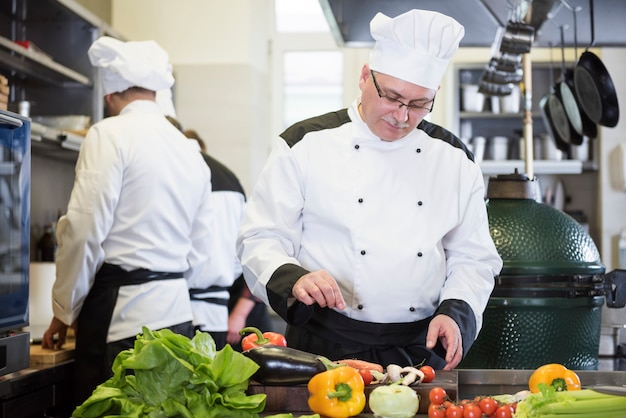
615	288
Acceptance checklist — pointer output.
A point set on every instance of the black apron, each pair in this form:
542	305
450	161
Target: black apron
332	335
92	366
219	337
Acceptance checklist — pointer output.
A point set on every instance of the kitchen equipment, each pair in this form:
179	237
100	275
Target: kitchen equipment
550	151
563	109
478	145
511	103
499	148
549	118
473	101
594	86
579	119
547	301
517	38
14	240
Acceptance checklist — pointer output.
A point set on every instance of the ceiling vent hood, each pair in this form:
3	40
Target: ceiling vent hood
349	19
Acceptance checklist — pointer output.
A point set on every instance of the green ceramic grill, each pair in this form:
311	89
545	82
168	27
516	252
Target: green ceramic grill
547	302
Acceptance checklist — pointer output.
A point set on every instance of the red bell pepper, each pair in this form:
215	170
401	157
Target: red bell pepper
257	338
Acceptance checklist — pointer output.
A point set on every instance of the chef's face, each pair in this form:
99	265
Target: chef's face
391	107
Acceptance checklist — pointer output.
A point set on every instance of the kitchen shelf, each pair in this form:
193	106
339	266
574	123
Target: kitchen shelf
26	62
539	167
489	115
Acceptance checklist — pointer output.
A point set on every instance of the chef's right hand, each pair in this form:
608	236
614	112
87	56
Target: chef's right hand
318	287
56	328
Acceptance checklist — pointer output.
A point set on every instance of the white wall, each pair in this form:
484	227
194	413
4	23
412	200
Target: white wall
613	207
220	54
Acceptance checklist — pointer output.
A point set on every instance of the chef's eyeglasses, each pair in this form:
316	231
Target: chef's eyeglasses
395	102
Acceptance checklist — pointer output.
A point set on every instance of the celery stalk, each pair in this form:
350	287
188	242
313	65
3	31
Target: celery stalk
584	403
617	414
608	403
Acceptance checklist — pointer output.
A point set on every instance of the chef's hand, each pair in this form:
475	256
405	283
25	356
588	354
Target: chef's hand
445	329
318	287
57	328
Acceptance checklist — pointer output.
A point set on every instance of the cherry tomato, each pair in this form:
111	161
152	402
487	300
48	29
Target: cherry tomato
504	411
488	405
471	410
429	374
437	395
454	411
367	376
436	411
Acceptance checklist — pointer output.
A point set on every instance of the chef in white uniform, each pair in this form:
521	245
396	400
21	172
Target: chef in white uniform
138	219
367	230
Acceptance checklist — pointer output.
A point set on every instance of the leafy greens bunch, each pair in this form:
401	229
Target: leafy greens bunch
170	375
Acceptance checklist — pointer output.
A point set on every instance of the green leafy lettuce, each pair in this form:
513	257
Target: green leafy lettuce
170	375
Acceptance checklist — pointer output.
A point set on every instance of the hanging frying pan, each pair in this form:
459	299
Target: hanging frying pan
577	117
548	119
561	123
594	86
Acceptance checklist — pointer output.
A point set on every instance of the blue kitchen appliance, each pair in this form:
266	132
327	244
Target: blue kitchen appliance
14	241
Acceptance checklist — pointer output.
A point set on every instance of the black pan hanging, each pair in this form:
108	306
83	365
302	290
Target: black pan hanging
559	106
548	118
577	117
594	86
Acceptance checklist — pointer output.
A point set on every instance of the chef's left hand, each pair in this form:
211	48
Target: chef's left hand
445	329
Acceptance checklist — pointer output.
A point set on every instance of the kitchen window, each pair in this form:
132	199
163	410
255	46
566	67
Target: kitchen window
308	66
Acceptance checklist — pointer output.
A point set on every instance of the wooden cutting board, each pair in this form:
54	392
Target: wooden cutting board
294	398
45	356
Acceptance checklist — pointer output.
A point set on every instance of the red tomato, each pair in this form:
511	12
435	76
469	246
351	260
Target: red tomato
454	411
429	374
437	395
504	411
366	375
488	405
436	411
471	410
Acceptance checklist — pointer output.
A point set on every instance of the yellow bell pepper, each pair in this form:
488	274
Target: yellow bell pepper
556	375
337	393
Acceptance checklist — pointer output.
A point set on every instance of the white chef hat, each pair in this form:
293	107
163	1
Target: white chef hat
414	46
131	64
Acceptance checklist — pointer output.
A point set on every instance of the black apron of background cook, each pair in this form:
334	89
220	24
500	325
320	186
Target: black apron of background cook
219	337
91	366
336	336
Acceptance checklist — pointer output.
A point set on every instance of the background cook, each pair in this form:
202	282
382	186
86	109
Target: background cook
367	230
138	218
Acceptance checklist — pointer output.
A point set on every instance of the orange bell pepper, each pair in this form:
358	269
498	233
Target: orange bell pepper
337	393
556	375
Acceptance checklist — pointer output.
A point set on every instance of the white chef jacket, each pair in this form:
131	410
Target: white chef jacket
141	199
400	225
223	266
